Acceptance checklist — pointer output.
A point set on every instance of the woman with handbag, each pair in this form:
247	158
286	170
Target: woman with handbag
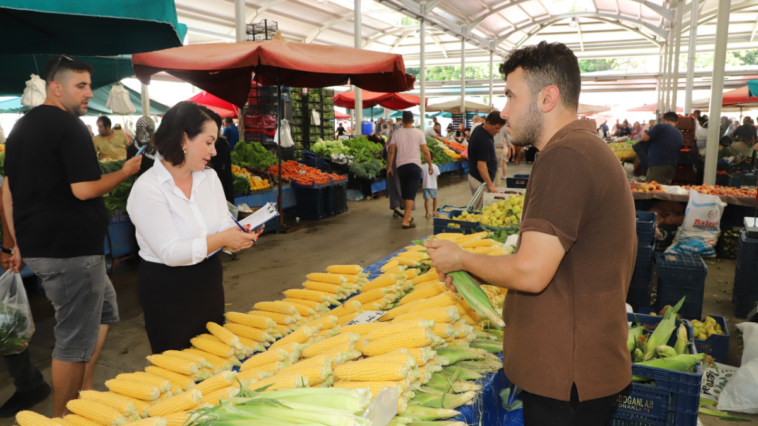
182	221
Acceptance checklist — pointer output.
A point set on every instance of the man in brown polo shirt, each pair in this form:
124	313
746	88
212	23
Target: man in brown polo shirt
566	328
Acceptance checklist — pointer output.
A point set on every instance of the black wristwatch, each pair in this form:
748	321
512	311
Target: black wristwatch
7	250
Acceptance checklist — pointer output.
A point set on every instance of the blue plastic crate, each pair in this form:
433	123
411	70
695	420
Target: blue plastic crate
679	275
646	227
312	203
517	181
641	286
717	345
122	239
441	224
672	400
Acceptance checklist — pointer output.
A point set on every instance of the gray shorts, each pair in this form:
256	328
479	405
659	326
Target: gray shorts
83	297
430	193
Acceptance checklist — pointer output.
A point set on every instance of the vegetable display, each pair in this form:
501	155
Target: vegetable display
438	152
255	183
252	154
304	175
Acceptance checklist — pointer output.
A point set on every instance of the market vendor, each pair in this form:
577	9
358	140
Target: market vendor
182	220
663	154
434	132
109	144
564	342
482	155
58	219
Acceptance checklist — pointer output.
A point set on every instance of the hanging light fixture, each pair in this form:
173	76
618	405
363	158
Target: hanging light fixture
572	23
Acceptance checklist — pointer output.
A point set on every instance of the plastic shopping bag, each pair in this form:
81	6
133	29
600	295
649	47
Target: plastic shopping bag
741	391
16	323
34	93
286	135
119	101
702	225
513	405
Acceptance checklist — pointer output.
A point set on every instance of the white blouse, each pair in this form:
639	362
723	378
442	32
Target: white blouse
172	229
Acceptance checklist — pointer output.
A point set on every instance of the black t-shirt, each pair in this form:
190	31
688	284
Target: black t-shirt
48	150
745	133
481	147
222	164
665	143
340	131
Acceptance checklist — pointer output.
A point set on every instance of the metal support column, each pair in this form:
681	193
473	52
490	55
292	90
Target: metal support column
659	84
145	101
691	53
669	57
463	79
677	50
492	71
358	130
422	73
239	21
717	90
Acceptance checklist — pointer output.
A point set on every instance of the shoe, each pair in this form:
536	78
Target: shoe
24	400
396	213
412	225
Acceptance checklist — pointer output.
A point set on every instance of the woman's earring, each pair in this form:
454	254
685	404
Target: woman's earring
184	150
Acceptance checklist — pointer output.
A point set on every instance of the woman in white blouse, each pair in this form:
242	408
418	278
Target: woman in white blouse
182	220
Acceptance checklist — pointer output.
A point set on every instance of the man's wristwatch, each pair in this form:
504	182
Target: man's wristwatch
7	250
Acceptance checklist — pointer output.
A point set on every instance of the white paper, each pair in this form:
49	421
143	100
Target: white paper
260	217
367	317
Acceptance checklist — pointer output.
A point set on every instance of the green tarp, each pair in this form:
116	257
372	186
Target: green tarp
752	88
88	27
96	105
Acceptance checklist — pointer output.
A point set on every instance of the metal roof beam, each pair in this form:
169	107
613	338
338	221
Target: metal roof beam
400	40
710	16
437	42
326	26
266	6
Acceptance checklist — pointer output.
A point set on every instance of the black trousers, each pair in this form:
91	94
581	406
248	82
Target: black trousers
543	411
179	301
25	375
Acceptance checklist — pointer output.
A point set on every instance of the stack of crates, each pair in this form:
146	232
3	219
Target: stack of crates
681	275
297	120
321	101
688	154
640	288
745	294
260	114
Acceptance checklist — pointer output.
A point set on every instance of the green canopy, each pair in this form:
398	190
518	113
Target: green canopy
88	27
378	112
399	114
96	105
16	70
752	88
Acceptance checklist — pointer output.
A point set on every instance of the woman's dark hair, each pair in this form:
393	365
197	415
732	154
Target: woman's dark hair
186	117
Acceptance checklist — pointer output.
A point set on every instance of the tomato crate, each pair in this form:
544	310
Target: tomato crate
446	217
641	286
671	400
646	227
680	275
717	345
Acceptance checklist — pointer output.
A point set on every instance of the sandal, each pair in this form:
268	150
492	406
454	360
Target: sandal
412	225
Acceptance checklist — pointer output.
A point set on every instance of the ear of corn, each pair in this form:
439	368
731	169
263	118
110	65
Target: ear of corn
431	275
397	328
301	309
348	307
276	307
480	243
198	359
78	420
447	314
326	322
282	381
152	421
416	255
162	384
410	273
178	419
344	269
316	374
370	295
96	412
398	355
411	338
301	335
217	348
124	405
422	355
329	344
30	418
278	318
327	278
224	334
182	402
270	356
220	380
389	265
255	334
443	330
344	319
361	371
333	289
447	298
475	296
423	293
177	365
251	346
382	281
265	371
329	332
280	329
216	361
362	329
133	389
400	310
256	321
318	306
308	295
404	261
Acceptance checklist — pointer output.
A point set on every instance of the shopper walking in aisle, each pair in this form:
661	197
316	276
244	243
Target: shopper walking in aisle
231	132
575	255
182	220
503	151
393	181
57	217
406	143
429	188
482	155
475	122
663	155
109	144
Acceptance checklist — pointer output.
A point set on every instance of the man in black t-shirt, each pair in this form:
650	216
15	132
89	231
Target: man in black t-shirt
482	156
746	133
52	197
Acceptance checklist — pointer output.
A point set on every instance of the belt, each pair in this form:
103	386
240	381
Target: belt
499	147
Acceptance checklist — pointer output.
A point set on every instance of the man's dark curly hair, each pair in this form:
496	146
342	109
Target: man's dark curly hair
548	64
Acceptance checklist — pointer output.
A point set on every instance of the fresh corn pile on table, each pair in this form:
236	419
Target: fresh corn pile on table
305	340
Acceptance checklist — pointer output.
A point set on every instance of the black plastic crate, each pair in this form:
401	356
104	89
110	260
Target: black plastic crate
671	400
445	221
517	181
738	180
745	294
646	227
688	156
641	288
312	203
337	198
747	254
680	275
728	245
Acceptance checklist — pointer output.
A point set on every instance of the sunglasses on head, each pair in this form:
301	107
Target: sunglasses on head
58	64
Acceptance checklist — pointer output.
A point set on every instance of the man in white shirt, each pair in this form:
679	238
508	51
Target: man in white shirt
503	151
434	132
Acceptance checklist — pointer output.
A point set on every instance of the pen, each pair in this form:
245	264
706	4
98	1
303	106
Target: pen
255	243
141	150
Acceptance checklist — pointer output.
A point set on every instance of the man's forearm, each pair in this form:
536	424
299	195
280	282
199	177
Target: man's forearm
485	174
98	188
8	210
501	271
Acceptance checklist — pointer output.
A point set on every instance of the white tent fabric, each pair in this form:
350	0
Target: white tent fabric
454	106
591	109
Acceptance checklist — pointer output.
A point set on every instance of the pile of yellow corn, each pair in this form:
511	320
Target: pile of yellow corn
256	183
301	343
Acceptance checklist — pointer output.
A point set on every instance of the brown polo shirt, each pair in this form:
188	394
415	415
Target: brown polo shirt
575	330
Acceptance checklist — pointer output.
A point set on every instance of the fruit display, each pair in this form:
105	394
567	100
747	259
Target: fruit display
256	182
304	175
438	151
623	151
646	187
469	217
706	329
457	147
723	190
503	212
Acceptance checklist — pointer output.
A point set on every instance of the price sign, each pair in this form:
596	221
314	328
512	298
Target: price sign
367	317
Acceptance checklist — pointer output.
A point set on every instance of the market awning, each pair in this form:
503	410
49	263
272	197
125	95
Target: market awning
454	106
648	108
88	27
591	109
393	101
219	106
224	69
341	115
96	104
752	87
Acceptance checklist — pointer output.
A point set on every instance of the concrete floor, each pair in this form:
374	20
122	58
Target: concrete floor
364	234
